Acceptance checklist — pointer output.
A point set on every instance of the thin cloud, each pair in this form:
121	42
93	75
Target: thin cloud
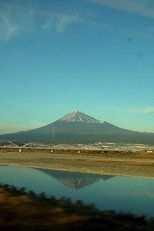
140	110
63	21
142	7
17	19
7	27
147	110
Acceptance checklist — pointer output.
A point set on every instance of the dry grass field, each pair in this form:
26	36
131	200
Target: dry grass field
139	164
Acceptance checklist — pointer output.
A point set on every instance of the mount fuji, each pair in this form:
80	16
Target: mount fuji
77	127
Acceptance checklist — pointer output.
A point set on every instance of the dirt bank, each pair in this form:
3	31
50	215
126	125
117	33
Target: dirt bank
139	165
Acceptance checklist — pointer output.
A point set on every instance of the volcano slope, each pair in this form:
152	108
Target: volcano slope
77	127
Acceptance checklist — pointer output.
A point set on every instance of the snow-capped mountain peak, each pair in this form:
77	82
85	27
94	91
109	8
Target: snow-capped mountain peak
77	116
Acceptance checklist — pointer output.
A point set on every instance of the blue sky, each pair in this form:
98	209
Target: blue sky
91	55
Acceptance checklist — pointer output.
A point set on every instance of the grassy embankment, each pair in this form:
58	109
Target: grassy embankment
138	164
114	163
27	211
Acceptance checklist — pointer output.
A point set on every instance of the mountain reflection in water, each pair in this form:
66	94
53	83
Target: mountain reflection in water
75	180
127	194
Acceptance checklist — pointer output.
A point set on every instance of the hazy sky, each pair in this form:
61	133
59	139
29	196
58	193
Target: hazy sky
91	55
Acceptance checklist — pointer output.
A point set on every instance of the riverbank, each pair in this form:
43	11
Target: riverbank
138	165
21	210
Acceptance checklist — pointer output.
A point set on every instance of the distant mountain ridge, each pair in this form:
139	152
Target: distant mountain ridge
77	127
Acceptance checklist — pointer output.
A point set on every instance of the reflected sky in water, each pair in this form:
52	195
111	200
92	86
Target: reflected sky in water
106	192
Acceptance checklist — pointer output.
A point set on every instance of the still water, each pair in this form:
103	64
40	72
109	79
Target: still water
124	194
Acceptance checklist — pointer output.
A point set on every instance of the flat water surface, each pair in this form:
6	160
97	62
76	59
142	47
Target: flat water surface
124	194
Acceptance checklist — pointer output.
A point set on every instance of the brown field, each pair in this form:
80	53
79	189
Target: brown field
139	164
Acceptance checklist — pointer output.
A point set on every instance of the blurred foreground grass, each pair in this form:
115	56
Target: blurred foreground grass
21	210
